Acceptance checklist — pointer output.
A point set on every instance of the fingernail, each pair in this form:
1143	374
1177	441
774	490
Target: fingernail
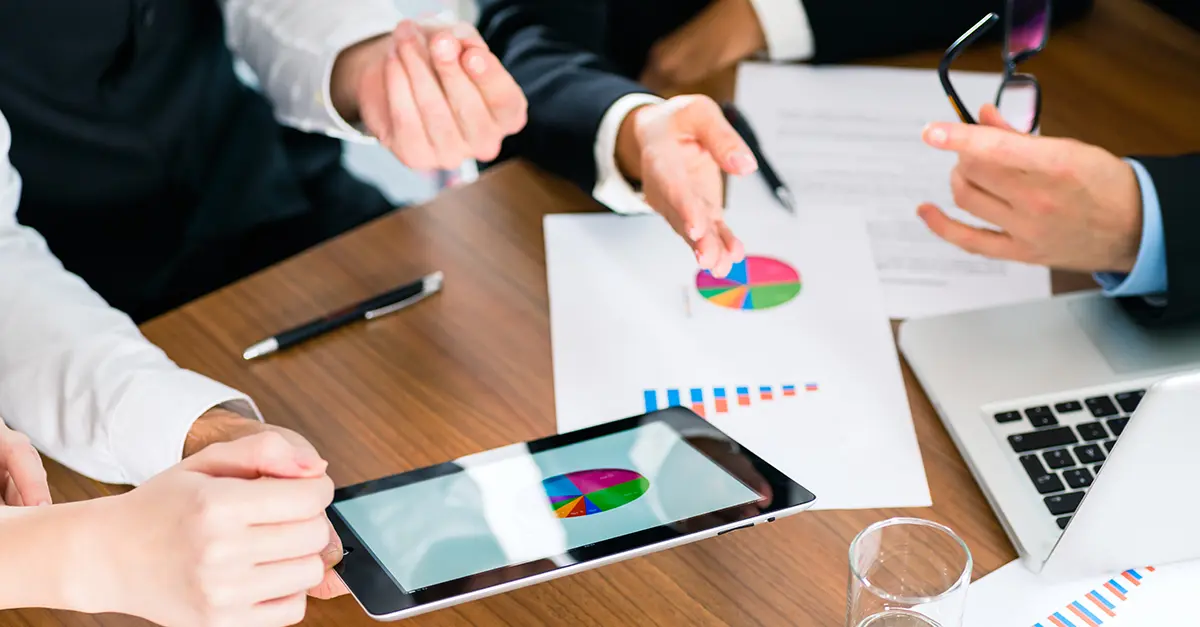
695	232
936	135
405	30
476	65
743	162
446	49
43	503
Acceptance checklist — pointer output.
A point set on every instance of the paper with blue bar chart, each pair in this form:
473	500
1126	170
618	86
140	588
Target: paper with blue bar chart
1149	596
791	354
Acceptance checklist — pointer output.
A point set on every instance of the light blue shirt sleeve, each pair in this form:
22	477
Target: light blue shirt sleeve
1149	275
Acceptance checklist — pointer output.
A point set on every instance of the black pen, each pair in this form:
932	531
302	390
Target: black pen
739	123
370	309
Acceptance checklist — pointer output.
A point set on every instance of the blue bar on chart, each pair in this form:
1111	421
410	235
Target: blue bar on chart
673	399
698	401
651	401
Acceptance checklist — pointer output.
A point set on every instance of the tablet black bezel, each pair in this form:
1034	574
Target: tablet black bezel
381	595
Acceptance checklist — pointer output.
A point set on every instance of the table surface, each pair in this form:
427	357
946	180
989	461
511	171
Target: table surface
470	369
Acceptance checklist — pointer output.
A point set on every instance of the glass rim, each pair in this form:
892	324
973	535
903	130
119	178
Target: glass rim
963	578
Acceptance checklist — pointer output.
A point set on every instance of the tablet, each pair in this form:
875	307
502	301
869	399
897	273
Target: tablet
527	513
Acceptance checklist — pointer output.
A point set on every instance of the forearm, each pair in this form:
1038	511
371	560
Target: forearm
52	558
294	45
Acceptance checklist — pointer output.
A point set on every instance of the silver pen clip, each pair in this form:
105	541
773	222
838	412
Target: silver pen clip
433	284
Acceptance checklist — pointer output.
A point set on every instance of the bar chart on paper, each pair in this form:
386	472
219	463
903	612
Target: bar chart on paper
1099	605
722	399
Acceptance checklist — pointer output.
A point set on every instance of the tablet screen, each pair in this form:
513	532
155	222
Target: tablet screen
511	506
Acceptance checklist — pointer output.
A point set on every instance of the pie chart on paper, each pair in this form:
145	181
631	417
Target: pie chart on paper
755	283
588	492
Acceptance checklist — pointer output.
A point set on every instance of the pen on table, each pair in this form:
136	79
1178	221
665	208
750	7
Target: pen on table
382	305
742	126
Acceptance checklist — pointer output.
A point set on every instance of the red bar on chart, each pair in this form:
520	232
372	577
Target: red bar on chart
722	405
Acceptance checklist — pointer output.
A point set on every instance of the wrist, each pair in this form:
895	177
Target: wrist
88	541
348	70
747	25
218	425
629	145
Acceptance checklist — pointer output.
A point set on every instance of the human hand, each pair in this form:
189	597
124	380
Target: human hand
216	539
218	425
724	33
678	149
431	92
1057	202
22	476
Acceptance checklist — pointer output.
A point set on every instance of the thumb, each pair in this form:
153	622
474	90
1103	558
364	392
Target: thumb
708	125
989	115
266	454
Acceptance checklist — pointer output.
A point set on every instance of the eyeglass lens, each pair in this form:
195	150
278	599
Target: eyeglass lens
1018	104
1030	25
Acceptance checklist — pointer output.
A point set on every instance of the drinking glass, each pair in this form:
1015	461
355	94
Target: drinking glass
907	572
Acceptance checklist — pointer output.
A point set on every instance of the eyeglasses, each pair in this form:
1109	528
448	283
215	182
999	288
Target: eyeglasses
1027	27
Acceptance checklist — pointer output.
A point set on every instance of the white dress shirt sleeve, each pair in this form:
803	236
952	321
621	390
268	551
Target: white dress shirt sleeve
76	375
785	24
292	45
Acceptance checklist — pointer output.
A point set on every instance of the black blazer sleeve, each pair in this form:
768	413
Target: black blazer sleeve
1177	180
555	50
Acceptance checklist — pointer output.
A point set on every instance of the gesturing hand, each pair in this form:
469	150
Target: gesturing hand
678	149
216	540
432	93
22	476
1057	202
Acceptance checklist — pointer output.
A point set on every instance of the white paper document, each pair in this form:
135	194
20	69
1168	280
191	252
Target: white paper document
852	137
1013	596
792	355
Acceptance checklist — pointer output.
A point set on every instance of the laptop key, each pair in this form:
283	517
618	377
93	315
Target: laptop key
1060	504
1046	438
1101	406
1045	482
1062	522
1092	431
1058	458
1068	407
1108	446
1117	425
1096	469
1041	416
1129	400
1078	477
1008	416
1089	454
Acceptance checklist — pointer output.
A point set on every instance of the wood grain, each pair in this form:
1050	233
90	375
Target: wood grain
470	369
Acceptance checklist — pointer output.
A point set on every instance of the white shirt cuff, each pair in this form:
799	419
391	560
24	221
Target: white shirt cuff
612	188
151	424
785	24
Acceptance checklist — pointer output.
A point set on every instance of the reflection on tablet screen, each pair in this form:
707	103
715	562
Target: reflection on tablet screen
506	509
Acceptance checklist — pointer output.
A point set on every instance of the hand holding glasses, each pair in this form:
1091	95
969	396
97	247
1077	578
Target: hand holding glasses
1019	100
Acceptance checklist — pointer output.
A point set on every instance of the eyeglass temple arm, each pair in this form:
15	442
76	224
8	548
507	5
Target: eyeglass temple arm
971	36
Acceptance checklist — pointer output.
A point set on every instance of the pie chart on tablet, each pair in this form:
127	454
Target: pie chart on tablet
755	283
588	492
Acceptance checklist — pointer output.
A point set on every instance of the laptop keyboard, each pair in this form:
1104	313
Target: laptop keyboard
1063	445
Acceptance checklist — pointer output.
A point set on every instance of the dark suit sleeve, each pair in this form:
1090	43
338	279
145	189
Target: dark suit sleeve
1177	180
554	49
844	30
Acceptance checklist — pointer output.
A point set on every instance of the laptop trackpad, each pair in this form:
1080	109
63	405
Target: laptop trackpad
1130	348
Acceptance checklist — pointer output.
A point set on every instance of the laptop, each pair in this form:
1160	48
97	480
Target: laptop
1081	427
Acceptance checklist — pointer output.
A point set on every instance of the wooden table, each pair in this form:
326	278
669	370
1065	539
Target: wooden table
470	369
